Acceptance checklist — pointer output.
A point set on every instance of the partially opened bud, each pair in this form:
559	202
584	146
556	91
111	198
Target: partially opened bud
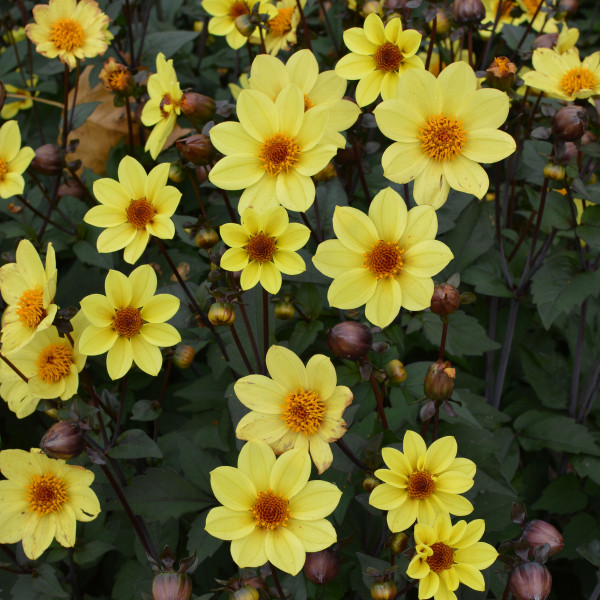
370	483
222	313
321	567
350	340
47	160
206	238
530	581
196	148
468	11
183	356
171	586
383	590
445	299
198	106
63	440
246	592
399	543
501	73
176	173
569	123
554	171
395	371
284	311
538	533
439	381
244	25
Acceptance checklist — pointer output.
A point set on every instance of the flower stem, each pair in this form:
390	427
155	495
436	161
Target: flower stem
44	217
346	450
192	178
9	363
379	400
119	418
276	581
506	347
265	296
253	343
431	42
304	25
129	126
488	45
240	347
444	334
577	360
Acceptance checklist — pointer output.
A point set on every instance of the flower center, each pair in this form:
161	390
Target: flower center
388	57
442	138
420	485
237	10
140	213
128	321
532	5
384	260
67	34
118	79
303	411
46	493
442	557
578	79
307	103
270	510
168	105
261	247
282	23
4	167
278	153
502	64
30	307
54	362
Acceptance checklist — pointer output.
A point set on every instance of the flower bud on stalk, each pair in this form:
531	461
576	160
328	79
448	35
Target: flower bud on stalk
383	590
538	533
196	148
554	172
350	340
322	567
445	299
439	381
245	25
370	483
171	586
399	543
568	6
222	313
501	73
47	160
530	581
546	40
206	238
395	371
246	592
63	440
183	356
198	106
569	123
176	173
284	311
468	11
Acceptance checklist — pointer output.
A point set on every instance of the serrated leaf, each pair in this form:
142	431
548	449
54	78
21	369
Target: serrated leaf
135	443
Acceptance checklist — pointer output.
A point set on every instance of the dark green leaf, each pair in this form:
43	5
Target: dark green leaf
562	496
135	443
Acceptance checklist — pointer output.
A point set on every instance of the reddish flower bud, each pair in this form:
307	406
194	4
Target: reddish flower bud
206	238
439	381
399	543
197	148
569	123
222	313
198	106
63	440
201	174
468	11
350	340
568	6
171	586
445	299
530	581
383	590
395	371
321	567
183	356
538	533
71	188
47	160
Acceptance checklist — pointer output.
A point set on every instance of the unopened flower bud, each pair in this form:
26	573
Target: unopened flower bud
442	24
350	340
445	299
197	148
183	356
198	106
530	581
176	173
206	238
63	440
372	6
383	590
222	313
501	73
246	592
326	173
439	381
244	25
538	533
568	6
346	156
322	567
201	174
569	123
546	40
284	311
72	188
47	160
395	371
171	586
554	171
370	483
468	11
399	543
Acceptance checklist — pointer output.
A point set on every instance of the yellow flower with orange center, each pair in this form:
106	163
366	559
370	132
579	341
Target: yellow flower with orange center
422	482
282	26
271	511
69	30
379	57
42	499
14	160
541	21
129	322
296	407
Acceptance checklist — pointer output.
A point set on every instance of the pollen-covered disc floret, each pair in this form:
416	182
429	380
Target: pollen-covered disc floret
384	259
270	510
278	153
303	412
442	137
46	493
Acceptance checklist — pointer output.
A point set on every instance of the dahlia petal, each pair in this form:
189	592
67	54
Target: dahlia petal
290	473
354	229
250	275
384	305
232	138
227	524
115	238
295	191
355	66
294	237
249	551
259	426
416	291
466	176
470	576
143	285
488	145
387	497
236	171
389	215
160	308
135	248
97	340
421	225
233	488
374	30
426	258
98	310
356	41
333	258
257	114
284	550
352	289
105	216
160	334
234	259
414	448
133	177
286	369
480	555
303	69
402	517
288	262
397	461
119	358
369	88
313	535
315	501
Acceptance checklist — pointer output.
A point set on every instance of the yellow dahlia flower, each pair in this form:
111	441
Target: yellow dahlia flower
282	26
133	208
271	511
129	322
164	105
506	11
272	151
567	38
448	555
263	247
385	260
50	364
443	128
28	288
13	105
42	499
69	30
379	57
422	482
297	407
13	159
564	76
541	22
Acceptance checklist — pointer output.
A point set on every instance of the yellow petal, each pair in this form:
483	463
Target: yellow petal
356	41
97	340
485	109
313	535
414	448
249	551
470	576
457	83
156	181
303	69
452	503
234	235
316	500
284	550
466	176
440	455
402	517
384	305
115	238
290	473
374	29
118	289
160	308
257	114
38	535
269	75
387	497
488	145
397	461
98	310
320	451
250	275
431	186
227	524
160	334
354	229
232	138
234	259
133	177
294	237
288	262
270	278
119	358
18	466
146	355
369	87
256	459
402	162
105	216
259	426
426	258
65	526
471	533
321	376
429	586
355	66
135	248
352	289
233	488
236	171
389	215
416	291
479	555
290	108
421	224
143	285
261	393
295	191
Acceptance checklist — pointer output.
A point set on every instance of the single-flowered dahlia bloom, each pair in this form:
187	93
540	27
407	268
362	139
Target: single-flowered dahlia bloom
161	110
273	151
51	365
134	208
13	160
282	26
564	76
443	128
129	322
448	555
379	57
12	105
271	511
541	22
29	289
270	75
422	482
263	247
42	499
384	260
69	30
296	407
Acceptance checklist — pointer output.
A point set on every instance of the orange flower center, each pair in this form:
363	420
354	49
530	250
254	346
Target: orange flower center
303	411
578	79
442	138
118	80
168	105
384	260
128	321
140	213
237	10
442	557
388	57
532	5
67	34
54	362
502	64
4	167
282	23
278	153
261	247
420	485
30	307
270	510
307	103
46	493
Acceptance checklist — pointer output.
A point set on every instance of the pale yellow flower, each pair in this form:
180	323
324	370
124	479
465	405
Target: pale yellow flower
14	160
